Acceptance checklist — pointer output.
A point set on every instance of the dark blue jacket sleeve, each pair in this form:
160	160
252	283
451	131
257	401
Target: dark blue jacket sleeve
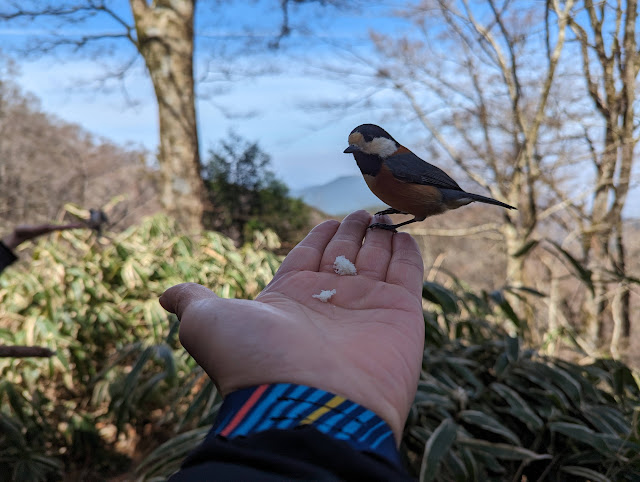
275	455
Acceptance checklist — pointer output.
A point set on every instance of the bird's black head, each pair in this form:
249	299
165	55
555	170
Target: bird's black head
372	140
371	131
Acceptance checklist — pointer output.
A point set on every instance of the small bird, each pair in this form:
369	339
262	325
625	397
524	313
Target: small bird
402	180
97	219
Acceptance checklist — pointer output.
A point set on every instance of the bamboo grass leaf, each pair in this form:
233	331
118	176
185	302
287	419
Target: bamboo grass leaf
456	467
502	451
512	348
436	449
601	442
519	408
588	474
584	274
486	422
441	296
528	246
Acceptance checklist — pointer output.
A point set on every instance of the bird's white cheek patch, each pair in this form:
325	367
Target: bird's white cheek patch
356	139
380	146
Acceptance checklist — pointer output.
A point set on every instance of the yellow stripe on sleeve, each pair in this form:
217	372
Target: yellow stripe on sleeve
333	403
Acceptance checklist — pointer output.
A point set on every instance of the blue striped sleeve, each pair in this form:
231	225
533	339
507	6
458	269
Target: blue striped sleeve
286	406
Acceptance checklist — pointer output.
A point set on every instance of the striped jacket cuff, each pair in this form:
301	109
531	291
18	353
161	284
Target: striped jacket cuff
287	406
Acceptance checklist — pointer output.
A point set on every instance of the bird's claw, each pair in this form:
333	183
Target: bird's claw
387	211
388	227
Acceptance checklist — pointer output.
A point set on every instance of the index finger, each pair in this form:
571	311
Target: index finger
406	267
347	240
306	255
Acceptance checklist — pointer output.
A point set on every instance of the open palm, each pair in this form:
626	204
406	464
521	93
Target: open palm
365	343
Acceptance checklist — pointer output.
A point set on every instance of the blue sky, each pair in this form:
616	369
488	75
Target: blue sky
305	143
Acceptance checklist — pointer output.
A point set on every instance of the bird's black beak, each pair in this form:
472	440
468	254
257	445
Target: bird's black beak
351	148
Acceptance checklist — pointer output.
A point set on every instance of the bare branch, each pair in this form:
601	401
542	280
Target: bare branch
25	352
18	11
490	230
505	70
435	132
581	34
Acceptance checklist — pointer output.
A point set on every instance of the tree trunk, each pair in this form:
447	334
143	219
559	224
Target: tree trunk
596	298
613	91
165	41
515	266
620	305
553	328
629	75
516	277
617	312
599	235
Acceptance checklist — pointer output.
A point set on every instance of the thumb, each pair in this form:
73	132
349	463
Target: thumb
199	335
179	297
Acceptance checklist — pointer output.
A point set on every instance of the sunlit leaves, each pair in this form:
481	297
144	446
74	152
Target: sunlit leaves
518	415
117	359
487	407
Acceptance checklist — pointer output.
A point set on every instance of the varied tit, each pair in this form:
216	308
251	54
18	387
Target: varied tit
404	181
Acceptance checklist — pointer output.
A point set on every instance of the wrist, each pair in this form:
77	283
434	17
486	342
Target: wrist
284	406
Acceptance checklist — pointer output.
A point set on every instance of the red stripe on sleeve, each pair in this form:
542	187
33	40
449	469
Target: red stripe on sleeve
251	401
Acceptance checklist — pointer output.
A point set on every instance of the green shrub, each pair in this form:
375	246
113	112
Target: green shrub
486	409
245	197
118	371
489	409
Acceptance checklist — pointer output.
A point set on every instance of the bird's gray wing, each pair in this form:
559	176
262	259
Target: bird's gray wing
408	167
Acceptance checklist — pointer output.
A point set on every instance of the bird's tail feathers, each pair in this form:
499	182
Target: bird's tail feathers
488	200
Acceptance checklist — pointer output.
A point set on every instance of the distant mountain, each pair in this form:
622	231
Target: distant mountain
340	196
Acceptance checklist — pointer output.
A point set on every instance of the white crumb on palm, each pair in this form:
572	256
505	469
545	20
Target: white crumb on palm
343	266
325	295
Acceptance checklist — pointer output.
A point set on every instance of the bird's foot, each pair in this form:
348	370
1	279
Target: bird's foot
388	227
387	211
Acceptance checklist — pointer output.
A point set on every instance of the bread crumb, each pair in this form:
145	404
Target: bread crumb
343	266
325	295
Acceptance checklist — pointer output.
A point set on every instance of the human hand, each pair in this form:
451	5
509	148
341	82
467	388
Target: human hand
365	343
25	232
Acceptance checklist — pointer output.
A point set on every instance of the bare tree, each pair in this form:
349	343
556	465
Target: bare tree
478	79
46	163
611	62
165	41
162	33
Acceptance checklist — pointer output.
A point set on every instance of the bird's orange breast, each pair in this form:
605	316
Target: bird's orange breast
417	199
